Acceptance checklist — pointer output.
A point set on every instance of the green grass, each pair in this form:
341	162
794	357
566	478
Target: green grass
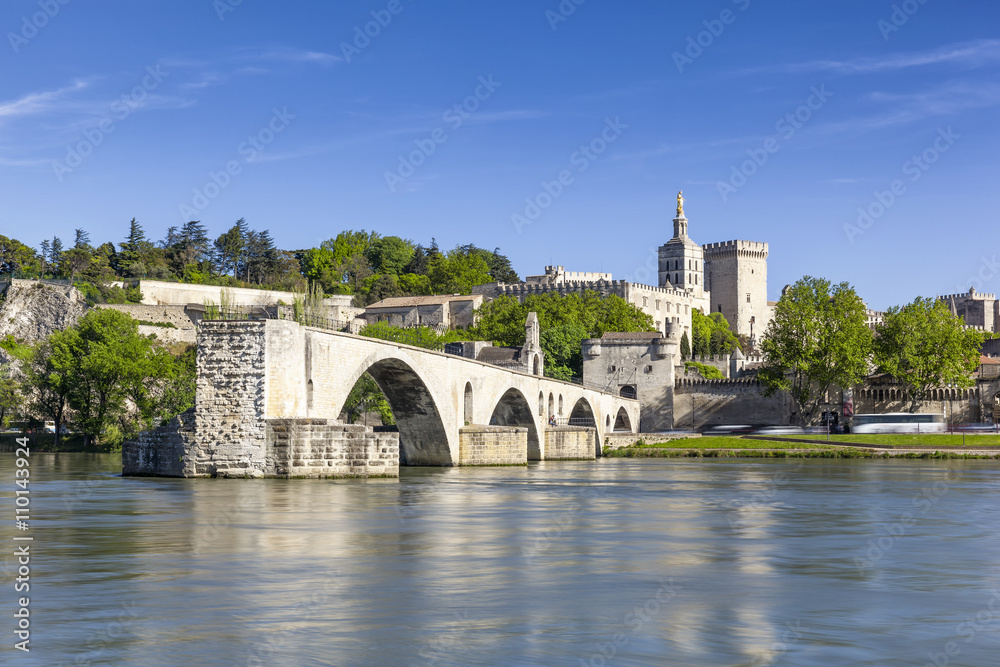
905	440
725	442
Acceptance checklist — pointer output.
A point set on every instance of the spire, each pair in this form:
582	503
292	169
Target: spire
680	222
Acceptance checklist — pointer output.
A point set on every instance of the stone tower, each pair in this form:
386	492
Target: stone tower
736	276
682	261
531	354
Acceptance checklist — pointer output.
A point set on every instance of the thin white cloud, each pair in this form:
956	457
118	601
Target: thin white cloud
973	53
946	100
294	56
34	104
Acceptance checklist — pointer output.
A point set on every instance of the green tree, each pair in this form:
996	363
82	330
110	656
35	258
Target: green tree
10	395
575	316
563	351
17	257
685	346
366	396
389	255
46	382
117	379
924	346
378	287
413	284
458	271
416	336
82	239
818	339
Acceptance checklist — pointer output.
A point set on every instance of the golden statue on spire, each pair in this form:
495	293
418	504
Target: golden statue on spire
680	204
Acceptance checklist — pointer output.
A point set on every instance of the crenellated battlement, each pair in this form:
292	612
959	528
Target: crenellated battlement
757	249
975	296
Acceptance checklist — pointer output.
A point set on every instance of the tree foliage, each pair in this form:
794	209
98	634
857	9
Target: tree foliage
818	338
924	346
573	317
366	396
105	378
711	334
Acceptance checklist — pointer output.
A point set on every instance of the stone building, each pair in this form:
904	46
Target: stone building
528	358
444	312
689	275
558	275
978	310
635	365
736	276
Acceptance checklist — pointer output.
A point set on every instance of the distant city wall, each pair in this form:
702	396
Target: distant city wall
157	293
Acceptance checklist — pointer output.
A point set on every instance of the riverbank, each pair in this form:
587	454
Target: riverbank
757	447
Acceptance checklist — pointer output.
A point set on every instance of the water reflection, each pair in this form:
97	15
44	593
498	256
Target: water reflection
675	562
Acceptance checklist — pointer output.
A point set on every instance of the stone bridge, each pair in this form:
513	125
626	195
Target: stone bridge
258	381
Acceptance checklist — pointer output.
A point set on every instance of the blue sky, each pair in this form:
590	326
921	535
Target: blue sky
158	96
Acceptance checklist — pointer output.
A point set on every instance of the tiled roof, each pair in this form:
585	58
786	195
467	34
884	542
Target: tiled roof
410	301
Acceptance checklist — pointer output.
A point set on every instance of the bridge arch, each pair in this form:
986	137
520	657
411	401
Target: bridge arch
513	409
583	415
622	420
423	438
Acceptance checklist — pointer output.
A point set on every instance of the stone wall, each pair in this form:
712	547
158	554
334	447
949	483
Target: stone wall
702	403
570	443
327	448
156	293
231	399
492	445
161	452
973	405
619	440
184	328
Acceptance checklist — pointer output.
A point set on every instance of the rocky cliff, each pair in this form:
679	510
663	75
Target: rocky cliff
31	310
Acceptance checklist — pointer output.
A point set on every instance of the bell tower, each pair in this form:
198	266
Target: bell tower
682	261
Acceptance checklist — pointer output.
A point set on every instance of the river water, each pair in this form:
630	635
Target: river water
614	562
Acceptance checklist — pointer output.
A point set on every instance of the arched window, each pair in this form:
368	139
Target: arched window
541	404
536	368
560	405
468	402
551	405
309	395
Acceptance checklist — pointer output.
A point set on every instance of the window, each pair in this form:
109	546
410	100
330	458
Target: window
649	369
677	279
645	302
657	304
748	298
720	307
